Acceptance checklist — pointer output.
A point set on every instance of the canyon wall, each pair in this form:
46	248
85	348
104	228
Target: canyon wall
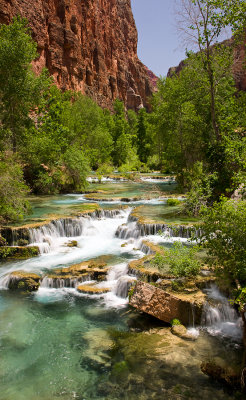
88	46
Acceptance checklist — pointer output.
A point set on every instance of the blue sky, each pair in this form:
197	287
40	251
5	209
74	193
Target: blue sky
158	42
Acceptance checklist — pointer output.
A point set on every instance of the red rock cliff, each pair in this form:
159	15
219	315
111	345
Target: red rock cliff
88	46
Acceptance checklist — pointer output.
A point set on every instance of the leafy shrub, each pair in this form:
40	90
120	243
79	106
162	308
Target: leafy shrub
173	202
160	262
175	321
180	261
200	186
224	235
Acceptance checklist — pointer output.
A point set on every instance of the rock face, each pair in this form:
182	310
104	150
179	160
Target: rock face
88	46
163	305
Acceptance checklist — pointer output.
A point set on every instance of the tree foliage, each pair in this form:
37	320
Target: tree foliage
181	260
224	231
20	89
13	191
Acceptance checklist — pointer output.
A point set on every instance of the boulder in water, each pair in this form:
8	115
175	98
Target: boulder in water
25	281
167	306
181	331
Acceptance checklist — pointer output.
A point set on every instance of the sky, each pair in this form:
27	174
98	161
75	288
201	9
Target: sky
159	46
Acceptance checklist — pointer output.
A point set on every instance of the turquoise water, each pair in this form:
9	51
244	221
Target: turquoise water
45	345
44	206
58	344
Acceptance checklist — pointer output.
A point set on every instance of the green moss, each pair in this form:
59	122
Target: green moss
18	252
120	370
131	291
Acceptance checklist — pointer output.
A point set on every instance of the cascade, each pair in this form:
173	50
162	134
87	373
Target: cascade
123	285
59	283
146	249
5	281
46	236
219	317
63	227
119	280
135	230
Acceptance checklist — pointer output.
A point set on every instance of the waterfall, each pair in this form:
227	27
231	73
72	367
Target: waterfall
219	317
60	283
5	281
46	236
146	249
123	285
119	281
135	230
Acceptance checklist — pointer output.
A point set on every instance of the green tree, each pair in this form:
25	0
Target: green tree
20	89
77	167
13	191
144	138
202	22
88	127
224	234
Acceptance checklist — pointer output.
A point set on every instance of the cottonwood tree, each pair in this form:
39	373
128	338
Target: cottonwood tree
202	22
20	89
196	19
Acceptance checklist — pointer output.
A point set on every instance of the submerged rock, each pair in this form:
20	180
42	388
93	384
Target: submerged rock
21	280
167	306
226	376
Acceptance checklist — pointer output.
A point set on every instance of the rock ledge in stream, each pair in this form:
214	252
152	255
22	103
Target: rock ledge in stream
166	306
21	280
92	289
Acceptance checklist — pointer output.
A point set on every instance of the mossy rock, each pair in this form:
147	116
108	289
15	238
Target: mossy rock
72	243
21	280
92	289
18	252
22	242
181	331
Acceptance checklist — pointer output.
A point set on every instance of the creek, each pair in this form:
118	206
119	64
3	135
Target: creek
61	344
